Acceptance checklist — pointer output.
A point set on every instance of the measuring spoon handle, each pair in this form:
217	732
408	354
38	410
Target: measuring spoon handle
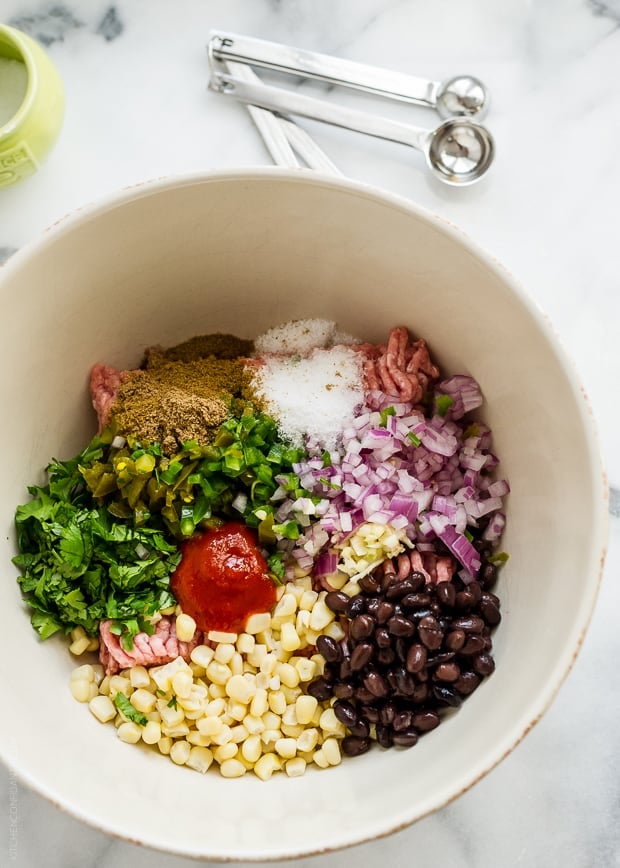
335	70
287	101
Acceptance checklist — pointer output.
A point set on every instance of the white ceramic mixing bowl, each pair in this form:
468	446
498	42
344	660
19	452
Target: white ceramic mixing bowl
238	252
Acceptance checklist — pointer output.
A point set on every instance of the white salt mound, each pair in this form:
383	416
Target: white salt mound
13	85
315	395
300	337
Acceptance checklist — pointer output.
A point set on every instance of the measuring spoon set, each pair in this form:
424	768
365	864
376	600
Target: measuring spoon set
459	150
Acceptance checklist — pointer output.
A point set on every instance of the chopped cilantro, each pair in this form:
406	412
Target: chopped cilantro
126	708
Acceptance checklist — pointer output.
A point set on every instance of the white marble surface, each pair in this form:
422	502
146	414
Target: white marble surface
137	107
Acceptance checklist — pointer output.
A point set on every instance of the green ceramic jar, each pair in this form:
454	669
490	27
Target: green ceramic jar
29	135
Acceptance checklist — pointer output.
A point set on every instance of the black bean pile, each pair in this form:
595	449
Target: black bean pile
412	650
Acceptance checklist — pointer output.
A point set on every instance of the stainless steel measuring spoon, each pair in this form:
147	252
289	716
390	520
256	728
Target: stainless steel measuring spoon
462	96
459	151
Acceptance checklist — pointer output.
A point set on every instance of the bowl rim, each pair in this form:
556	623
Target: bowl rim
600	490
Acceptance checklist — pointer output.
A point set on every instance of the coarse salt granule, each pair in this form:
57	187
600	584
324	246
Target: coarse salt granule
13	86
300	337
316	395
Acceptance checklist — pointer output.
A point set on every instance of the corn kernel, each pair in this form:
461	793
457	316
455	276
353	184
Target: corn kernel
289	637
102	708
289	675
86	673
277	702
237	664
232	768
224	652
252	748
320	759
179	730
180	751
253	724
164	744
308	600
258	623
225	751
80	646
334	631
93	691
291	730
194	737
139	676
151	733
331	751
210	726
305	706
302	621
321	615
129	732
104	686
295	767
222	636
287	606
236	710
143	700
238	733
257	655
306	669
245	643
267	765
330	723
182	683
80	689
270	735
286	747
170	716
308	740
216	691
185	627
200	758
240	689
202	655
162	675
290	716
119	684
223	736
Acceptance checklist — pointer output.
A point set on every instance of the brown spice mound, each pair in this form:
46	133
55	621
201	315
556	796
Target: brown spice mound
218	345
175	401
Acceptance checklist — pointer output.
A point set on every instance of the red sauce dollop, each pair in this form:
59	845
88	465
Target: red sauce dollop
222	579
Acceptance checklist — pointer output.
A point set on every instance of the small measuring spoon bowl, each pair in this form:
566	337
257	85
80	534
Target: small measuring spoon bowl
459	151
463	96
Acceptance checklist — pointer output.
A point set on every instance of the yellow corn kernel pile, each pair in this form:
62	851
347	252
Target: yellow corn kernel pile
240	702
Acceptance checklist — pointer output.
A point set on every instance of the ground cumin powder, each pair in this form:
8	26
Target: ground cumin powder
184	392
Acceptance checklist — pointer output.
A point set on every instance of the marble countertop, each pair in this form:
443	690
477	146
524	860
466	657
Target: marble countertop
137	107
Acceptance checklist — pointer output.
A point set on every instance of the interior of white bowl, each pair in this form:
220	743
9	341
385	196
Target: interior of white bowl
239	252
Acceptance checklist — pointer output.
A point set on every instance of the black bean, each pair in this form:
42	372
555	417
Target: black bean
416	601
382	637
404	682
345	711
446	594
476	591
473	645
344	673
361	655
357	605
320	689
387	712
361	627
387	580
430	633
465	601
442	657
416	658
418	581
447	695
406	739
488	575
416	615
342	689
361	728
401	646
376	683
467	683
421	693
369	584
385	611
329	648
372	606
386	656
483	664
337	601
369	713
490	612
363	695
385	736
424	721
353	745
455	640
398	625
398	590
468	623
331	672
401	721
447	672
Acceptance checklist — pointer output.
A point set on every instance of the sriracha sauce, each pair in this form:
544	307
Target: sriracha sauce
222	579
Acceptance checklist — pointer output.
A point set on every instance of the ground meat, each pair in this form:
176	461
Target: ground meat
105	382
162	647
402	370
